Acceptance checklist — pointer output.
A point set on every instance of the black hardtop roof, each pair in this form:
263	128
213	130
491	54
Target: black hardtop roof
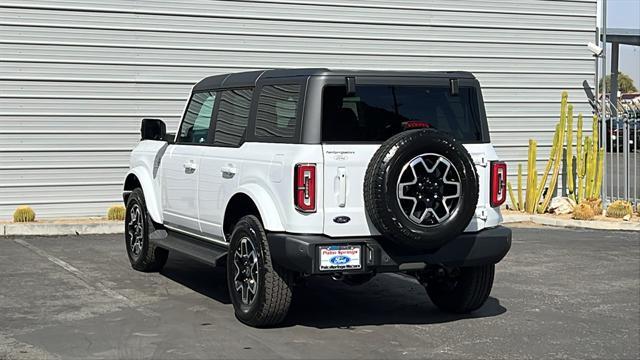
249	78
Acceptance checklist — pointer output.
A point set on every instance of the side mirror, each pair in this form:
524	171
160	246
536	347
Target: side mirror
153	129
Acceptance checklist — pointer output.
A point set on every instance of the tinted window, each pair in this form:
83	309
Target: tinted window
195	126
232	117
277	110
378	112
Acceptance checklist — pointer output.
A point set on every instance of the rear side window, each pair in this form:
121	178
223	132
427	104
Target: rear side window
277	111
195	126
232	117
377	112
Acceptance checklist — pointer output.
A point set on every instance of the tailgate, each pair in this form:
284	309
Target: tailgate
344	170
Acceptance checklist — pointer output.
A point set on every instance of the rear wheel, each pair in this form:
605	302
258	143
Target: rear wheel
463	291
143	255
259	289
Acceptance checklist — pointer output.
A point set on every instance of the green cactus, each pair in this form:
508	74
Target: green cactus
547	168
520	208
569	157
24	214
588	168
583	211
580	168
557	161
586	162
517	203
513	199
599	174
116	212
619	209
531	200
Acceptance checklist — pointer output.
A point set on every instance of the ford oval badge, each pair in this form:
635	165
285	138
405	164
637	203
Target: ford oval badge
340	260
341	219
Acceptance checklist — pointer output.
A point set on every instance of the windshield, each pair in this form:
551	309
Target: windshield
377	112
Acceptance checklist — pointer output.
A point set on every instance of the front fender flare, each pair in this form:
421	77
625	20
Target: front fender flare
269	213
151	195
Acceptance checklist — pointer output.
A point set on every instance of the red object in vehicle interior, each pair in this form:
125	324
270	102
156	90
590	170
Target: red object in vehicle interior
415	124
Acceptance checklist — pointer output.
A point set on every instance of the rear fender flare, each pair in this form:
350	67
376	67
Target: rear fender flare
269	213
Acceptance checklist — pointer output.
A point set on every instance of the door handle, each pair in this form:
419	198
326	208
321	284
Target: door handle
189	167
228	171
342	189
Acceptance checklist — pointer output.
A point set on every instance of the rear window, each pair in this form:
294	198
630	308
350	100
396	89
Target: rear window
277	111
377	112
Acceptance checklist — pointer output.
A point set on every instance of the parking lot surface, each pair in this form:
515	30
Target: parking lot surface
558	293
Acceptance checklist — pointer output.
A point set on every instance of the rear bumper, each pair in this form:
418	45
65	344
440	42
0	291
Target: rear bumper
299	252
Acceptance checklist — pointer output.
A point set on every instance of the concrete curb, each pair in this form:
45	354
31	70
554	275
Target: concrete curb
570	223
117	227
49	229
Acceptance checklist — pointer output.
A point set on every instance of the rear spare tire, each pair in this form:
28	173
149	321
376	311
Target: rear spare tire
421	189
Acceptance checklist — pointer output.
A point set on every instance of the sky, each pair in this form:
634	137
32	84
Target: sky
625	14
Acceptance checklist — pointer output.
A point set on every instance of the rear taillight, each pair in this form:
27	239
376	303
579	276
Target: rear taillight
498	183
304	187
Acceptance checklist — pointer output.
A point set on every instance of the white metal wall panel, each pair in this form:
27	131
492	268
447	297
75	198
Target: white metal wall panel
77	76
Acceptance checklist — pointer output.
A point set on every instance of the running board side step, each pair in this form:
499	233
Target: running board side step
201	250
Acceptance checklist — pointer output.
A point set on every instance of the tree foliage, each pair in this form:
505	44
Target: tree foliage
625	83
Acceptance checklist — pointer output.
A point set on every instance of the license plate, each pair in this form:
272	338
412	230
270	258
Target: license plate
342	257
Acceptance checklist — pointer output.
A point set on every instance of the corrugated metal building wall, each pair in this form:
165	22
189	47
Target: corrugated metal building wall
77	76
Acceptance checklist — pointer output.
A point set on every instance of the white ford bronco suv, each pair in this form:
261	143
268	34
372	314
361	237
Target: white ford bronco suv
284	174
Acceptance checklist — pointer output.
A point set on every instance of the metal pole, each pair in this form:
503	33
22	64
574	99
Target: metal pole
602	123
603	108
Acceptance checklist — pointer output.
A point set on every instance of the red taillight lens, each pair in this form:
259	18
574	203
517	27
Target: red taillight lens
498	183
304	187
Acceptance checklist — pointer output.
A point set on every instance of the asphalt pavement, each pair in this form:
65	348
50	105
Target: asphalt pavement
558	293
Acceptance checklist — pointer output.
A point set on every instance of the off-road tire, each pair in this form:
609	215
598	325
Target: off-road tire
274	290
380	192
151	258
464	294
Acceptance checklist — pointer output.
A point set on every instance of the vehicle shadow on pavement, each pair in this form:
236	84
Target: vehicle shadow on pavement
324	303
387	299
201	278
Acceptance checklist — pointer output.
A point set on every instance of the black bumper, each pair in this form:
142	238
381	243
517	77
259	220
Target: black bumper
299	252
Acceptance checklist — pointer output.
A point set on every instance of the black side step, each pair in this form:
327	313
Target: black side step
201	250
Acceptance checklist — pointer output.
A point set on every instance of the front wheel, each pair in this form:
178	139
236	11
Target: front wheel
463	292
260	290
143	255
